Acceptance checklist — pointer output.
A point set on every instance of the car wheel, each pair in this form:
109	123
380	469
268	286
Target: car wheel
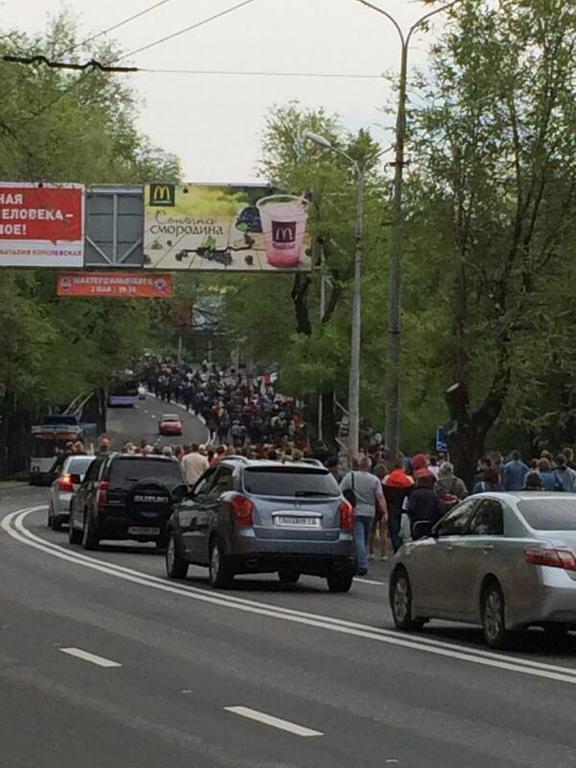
288	576
90	538
496	634
74	536
401	603
176	566
340	582
55	524
220	574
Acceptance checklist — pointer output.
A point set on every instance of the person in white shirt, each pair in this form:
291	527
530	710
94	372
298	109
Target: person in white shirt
194	465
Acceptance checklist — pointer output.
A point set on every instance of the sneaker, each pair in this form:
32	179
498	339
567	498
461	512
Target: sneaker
362	572
383	558
370	557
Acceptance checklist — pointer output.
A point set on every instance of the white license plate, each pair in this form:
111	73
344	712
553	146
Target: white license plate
292	521
142	530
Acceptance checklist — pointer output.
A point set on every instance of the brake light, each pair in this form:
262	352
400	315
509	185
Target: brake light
102	494
553	558
242	508
346	516
65	484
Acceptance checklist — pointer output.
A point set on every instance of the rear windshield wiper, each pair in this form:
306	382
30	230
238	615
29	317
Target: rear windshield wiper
314	493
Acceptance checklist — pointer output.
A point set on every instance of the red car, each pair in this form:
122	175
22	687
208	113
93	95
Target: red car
170	424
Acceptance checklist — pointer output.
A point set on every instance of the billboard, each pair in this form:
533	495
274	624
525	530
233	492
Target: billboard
41	225
225	228
115	285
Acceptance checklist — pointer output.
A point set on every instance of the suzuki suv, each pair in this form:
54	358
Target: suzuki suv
125	497
262	517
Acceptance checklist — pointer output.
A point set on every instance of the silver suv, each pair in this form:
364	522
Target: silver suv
263	517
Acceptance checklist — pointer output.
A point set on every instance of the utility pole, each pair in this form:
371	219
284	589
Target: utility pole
356	333
393	355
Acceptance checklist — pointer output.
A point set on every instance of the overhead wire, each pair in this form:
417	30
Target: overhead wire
189	28
115	26
244	73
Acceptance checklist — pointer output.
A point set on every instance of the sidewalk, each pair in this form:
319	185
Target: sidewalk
9	485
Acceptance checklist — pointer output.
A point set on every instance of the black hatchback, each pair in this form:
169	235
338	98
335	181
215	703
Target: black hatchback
125	497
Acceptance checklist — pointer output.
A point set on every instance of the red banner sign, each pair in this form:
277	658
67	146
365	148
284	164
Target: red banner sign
115	285
41	225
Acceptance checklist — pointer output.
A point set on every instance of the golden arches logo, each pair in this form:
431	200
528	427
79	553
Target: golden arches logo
162	194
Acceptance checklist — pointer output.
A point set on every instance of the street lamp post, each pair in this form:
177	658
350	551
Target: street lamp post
356	332
392	432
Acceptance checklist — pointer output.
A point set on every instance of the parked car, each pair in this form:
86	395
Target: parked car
170	424
264	517
64	487
125	496
503	560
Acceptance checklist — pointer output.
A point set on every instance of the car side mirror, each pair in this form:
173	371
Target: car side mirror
422	529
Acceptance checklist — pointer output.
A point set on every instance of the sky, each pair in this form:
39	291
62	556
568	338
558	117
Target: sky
214	122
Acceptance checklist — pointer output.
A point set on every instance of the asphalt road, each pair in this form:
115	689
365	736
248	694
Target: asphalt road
106	664
141	423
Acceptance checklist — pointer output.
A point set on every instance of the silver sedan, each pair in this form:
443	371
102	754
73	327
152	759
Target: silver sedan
503	560
63	488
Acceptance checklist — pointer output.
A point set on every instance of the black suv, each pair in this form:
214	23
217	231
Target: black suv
125	497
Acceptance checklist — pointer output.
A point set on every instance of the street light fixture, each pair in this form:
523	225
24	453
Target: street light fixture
392	433
356	332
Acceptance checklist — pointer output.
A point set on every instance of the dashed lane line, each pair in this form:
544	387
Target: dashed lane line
99	661
274	722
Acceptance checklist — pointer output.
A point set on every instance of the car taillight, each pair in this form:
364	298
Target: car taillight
242	508
554	558
346	516
65	484
102	494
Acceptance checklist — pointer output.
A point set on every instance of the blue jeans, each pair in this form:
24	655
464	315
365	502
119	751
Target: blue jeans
361	533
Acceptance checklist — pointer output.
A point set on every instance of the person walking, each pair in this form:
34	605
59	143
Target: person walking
194	465
490	482
449	488
397	487
565	476
424	503
368	494
514	473
547	476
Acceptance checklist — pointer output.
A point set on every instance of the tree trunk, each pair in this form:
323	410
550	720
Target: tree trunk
299	295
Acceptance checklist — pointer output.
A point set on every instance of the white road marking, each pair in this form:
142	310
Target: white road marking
391	637
100	661
369	581
274	722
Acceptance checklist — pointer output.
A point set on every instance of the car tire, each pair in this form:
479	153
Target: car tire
90	537
55	523
288	576
176	566
340	582
401	603
74	536
493	614
220	574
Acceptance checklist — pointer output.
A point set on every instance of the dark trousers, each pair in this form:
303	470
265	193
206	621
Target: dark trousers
394	527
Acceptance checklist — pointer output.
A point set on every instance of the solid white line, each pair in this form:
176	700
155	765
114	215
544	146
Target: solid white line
100	661
369	581
392	637
275	722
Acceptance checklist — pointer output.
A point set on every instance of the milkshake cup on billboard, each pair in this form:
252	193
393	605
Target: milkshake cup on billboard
284	219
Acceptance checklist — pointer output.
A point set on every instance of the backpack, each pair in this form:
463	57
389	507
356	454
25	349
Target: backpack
448	498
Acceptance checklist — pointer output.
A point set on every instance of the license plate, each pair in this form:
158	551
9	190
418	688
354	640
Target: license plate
141	530
292	521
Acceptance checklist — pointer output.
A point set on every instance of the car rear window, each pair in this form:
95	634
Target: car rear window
79	466
127	470
550	514
289	482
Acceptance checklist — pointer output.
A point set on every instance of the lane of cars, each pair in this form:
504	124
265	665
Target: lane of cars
504	561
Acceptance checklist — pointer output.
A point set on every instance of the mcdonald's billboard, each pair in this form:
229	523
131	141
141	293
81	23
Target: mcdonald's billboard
225	228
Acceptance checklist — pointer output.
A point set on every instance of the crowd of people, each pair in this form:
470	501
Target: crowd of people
245	415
